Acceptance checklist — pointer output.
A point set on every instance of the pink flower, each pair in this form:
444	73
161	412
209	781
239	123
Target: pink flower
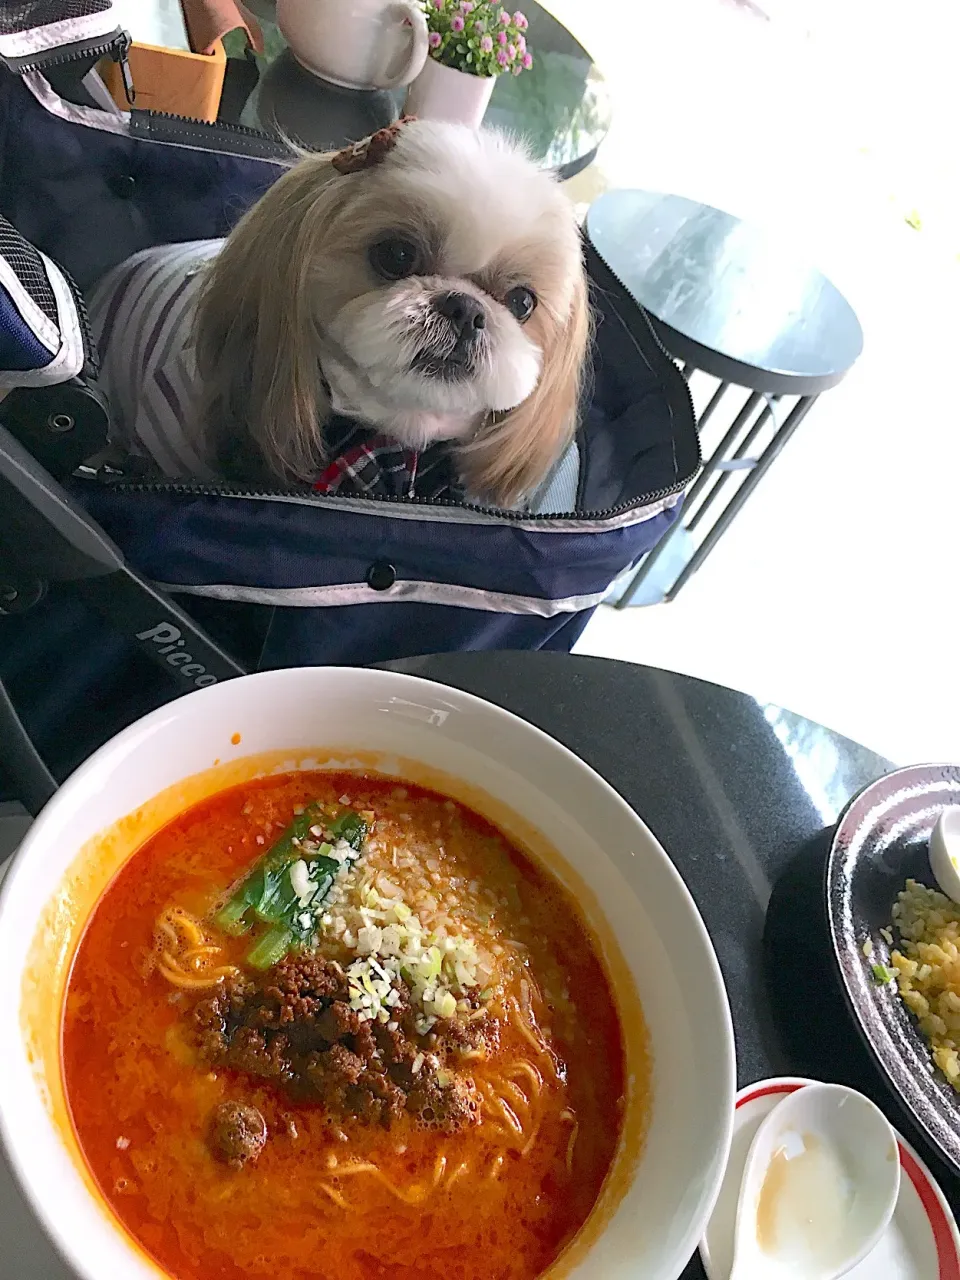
486	44
438	4
502	58
501	37
435	39
511	51
522	43
456	23
519	21
503	18
517	68
527	61
479	28
466	6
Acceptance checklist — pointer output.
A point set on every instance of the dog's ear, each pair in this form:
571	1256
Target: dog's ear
255	335
509	457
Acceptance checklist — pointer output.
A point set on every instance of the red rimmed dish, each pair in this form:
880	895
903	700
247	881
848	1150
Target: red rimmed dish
921	1243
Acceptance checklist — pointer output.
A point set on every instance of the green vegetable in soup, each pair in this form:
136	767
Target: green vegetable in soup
272	947
287	887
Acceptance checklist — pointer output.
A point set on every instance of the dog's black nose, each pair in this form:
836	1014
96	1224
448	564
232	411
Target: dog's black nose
465	313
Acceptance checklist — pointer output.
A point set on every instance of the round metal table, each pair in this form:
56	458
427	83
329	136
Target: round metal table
561	107
741	308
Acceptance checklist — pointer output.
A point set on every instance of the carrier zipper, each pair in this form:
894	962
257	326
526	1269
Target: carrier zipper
187	489
614	283
611	284
237	139
91	357
116	47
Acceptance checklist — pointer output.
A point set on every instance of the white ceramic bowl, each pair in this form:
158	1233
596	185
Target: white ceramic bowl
534	788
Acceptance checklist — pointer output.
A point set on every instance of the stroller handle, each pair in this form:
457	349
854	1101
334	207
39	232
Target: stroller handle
45	537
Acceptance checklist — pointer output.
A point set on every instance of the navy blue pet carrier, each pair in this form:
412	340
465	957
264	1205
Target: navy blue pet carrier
273	578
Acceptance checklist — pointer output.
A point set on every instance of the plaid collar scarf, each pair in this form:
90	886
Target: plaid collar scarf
368	464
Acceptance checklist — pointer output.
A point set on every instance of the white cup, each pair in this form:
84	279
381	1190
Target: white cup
360	44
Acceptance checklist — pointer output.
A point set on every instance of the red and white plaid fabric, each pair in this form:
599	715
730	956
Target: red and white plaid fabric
371	465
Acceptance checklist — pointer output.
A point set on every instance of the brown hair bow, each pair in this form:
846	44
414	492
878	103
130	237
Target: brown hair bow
369	151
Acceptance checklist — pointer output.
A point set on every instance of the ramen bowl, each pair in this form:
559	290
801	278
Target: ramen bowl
662	1185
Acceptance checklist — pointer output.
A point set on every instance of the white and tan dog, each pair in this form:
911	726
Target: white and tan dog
427	283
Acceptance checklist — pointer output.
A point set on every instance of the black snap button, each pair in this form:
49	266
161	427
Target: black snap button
123	185
381	575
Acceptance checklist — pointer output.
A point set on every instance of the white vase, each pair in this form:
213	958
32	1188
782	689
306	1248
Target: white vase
443	93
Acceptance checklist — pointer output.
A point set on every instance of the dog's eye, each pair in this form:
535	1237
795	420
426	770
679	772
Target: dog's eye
394	258
521	302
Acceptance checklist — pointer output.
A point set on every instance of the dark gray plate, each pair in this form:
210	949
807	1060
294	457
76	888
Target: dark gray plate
881	840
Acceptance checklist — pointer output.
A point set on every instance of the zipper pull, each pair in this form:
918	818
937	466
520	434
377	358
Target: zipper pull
119	55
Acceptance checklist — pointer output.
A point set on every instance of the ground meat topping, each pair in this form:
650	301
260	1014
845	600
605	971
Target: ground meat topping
297	1029
237	1133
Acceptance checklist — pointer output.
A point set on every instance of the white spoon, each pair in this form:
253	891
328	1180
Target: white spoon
945	852
819	1187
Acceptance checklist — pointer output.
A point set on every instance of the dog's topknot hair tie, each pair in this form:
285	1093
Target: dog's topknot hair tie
369	151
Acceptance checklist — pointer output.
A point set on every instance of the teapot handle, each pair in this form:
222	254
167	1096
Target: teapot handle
410	15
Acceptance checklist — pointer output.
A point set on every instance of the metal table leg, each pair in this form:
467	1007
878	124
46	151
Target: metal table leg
709	467
722	469
717	530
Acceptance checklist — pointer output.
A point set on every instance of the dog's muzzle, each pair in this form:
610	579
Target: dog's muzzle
453	356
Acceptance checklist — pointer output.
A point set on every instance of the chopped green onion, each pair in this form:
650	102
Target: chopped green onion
230	917
267	894
271	948
350	827
882	974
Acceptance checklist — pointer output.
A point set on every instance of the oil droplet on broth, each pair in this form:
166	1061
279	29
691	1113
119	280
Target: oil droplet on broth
805	1204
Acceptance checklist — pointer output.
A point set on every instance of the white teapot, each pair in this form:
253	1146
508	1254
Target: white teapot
360	44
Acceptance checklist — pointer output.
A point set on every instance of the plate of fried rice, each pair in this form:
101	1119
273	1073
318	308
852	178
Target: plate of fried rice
896	938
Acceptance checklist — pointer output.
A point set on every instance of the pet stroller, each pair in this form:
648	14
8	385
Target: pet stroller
119	592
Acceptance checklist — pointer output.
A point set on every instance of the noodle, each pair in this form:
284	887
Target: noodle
167	929
179	978
528	1145
530	1071
505	1108
495	1168
415	1196
530	1031
511	1116
516	1093
525	1031
335	1196
188	926
188	960
571	1144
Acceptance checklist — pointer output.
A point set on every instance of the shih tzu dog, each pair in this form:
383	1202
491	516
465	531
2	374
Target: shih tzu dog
426	285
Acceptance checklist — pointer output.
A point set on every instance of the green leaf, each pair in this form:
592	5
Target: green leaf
266	893
230	917
271	948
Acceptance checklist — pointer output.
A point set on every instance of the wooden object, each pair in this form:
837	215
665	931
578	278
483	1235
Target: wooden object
170	80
